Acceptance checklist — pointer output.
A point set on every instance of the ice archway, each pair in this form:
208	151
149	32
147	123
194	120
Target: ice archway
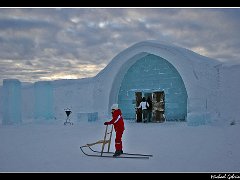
193	77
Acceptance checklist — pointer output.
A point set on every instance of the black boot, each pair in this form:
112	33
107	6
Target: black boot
117	153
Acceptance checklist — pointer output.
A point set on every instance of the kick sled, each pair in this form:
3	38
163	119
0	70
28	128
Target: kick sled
108	154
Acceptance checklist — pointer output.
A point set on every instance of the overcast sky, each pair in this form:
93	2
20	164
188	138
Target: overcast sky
63	43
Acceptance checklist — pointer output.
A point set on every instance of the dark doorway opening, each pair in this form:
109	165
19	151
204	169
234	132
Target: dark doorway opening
158	105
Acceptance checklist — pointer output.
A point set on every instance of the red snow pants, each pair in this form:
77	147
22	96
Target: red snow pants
118	140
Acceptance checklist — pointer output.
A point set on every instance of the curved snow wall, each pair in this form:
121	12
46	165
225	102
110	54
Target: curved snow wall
149	74
195	76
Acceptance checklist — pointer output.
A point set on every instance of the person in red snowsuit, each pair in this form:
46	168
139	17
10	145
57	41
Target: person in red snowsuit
118	124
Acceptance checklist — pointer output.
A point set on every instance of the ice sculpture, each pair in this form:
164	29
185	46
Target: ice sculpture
12	101
43	92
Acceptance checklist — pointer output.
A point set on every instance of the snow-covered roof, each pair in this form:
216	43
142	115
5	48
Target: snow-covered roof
163	49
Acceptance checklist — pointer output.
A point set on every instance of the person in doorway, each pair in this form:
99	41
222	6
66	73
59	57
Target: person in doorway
118	124
144	106
149	109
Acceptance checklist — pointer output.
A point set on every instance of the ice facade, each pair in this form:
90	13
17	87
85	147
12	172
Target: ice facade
43	107
11	101
191	84
149	74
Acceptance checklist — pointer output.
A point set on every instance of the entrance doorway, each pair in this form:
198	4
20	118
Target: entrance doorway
158	105
138	96
158	101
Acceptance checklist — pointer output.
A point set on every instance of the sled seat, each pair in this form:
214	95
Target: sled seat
104	141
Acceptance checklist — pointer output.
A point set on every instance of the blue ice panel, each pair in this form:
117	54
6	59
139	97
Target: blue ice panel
12	101
92	116
82	117
149	74
87	116
43	92
196	119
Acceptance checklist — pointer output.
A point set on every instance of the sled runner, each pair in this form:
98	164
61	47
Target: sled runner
107	153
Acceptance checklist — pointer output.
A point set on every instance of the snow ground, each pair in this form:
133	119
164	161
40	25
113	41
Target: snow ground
175	147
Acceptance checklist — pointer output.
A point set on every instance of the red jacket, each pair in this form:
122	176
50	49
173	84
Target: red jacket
117	120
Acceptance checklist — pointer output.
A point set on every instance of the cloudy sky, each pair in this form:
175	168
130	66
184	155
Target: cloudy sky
68	43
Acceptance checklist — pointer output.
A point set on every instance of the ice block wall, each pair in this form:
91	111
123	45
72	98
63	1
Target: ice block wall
43	107
11	101
149	74
87	116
